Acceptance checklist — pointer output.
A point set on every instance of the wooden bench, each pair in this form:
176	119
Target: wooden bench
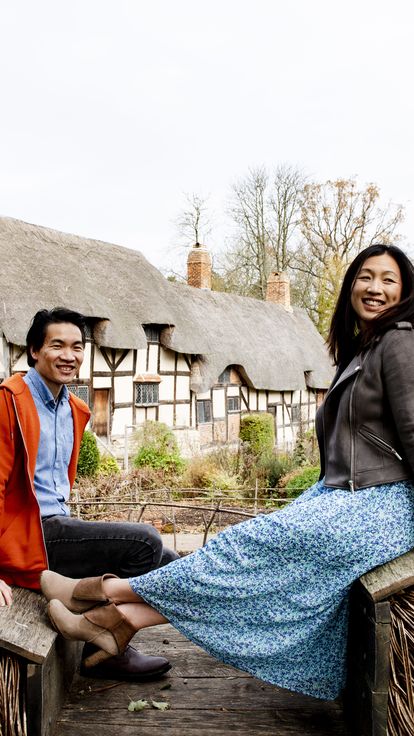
36	666
373	619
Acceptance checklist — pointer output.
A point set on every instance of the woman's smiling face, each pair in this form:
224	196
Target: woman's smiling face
377	287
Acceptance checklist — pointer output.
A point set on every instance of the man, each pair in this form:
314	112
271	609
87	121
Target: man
41	427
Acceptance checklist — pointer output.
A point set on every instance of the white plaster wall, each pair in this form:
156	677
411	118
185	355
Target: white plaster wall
181	364
140	416
262	404
312	412
182	412
219	403
99	362
85	369
123	387
188	441
141	360
166	388
183	387
253	401
102	382
166	414
153	359
167	359
274	397
127	363
296	397
151	414
193	412
205	395
279	416
120	418
233	391
21	364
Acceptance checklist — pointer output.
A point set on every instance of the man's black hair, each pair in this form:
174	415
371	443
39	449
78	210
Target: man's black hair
41	321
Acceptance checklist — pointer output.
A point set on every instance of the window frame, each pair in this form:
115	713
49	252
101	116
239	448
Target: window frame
204	403
139	386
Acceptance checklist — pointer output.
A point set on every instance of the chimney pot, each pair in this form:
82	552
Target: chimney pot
199	267
278	289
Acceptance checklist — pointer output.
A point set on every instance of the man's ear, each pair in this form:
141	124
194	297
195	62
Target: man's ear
34	354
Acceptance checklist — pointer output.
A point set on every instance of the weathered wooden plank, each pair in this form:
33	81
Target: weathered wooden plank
271	722
383	581
25	628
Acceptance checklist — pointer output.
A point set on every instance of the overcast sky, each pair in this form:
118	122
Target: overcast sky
112	109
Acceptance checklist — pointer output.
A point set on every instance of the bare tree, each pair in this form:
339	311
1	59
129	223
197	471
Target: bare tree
337	221
266	211
193	223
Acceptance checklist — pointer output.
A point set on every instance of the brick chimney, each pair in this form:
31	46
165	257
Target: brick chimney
278	289
199	267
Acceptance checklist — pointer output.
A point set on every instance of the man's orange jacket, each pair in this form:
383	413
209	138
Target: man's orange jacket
22	547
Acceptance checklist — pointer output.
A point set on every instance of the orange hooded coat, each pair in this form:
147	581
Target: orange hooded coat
22	547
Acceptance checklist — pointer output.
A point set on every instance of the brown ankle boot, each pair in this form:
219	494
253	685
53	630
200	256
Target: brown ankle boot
77	595
105	626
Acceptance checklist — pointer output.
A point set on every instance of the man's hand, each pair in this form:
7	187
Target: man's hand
5	594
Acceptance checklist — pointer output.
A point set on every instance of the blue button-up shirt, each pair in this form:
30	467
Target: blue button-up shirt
51	480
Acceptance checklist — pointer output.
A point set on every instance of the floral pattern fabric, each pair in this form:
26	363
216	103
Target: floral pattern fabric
270	595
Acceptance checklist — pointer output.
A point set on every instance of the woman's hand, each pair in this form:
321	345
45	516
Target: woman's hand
5	594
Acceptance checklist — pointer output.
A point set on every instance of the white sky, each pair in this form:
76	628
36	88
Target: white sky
111	109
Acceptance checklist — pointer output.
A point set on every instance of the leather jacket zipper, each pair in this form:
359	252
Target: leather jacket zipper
379	442
351	481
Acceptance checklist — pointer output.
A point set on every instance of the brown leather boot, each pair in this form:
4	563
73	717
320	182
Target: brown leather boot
105	626
77	595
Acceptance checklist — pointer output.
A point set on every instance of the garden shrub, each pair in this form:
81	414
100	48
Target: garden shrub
158	448
300	479
272	467
108	465
218	469
88	462
257	432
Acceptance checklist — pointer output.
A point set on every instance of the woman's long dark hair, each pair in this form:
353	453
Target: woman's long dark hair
342	341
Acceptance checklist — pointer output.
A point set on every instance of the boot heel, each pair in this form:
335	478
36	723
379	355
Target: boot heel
96	658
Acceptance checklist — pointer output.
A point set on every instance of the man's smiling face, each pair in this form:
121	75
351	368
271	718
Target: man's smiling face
377	287
61	355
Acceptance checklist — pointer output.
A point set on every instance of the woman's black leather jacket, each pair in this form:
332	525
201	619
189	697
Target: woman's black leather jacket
365	426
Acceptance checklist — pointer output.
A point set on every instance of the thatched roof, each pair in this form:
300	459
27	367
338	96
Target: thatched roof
42	268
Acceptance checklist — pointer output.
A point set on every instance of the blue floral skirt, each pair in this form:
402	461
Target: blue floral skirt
270	595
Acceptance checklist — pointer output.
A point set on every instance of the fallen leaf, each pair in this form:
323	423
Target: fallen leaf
138	705
160	706
166	686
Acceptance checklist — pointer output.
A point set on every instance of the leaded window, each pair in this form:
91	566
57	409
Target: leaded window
233	403
81	391
204	411
146	394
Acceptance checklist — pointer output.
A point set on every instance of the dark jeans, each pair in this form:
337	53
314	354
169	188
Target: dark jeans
82	549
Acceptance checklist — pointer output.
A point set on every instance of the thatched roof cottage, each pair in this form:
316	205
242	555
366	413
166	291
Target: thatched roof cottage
182	354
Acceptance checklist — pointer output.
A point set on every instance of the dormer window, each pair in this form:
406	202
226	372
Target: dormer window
224	377
152	332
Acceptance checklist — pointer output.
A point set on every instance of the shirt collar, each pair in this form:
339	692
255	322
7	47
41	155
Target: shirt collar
44	391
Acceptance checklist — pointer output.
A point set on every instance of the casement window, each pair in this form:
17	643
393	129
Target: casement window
82	392
233	403
152	332
225	376
146	394
295	413
204	411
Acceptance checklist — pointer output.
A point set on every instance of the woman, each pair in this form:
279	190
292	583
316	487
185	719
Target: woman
270	595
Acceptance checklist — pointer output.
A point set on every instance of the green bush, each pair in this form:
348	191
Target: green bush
257	432
88	462
108	466
158	448
301	479
218	469
272	467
